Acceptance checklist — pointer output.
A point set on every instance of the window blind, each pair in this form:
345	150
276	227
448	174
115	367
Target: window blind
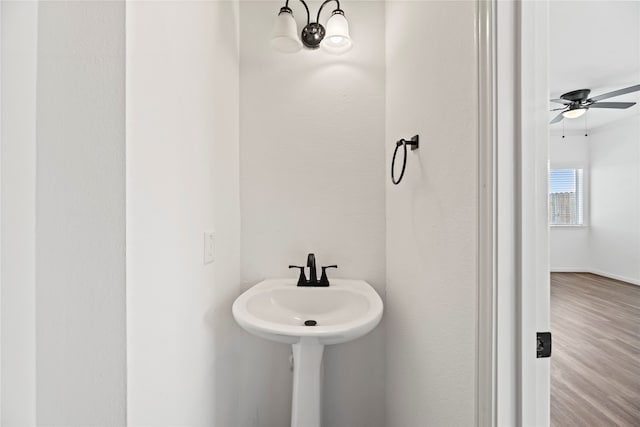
566	197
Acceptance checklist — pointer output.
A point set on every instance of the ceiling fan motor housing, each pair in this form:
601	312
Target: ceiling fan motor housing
576	95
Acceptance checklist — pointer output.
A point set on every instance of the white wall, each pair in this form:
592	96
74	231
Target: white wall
610	242
615	200
312	180
182	179
80	221
569	245
431	215
18	196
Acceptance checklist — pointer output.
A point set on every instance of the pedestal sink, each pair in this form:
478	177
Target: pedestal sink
308	318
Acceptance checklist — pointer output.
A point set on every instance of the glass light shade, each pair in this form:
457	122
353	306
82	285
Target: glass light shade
285	34
574	113
337	39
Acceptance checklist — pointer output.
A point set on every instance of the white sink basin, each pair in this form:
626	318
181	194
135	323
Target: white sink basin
277	309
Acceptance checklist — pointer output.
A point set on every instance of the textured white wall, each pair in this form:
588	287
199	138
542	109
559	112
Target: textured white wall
610	243
18	196
569	246
431	87
80	214
312	180
182	179
615	200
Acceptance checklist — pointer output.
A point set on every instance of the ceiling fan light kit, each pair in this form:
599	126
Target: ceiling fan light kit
577	102
574	113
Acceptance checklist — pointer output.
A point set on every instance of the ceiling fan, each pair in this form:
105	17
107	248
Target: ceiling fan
577	102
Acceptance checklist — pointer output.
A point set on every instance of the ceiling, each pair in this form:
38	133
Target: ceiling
594	45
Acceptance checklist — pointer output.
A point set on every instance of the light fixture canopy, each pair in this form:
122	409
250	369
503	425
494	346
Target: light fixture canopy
335	38
574	113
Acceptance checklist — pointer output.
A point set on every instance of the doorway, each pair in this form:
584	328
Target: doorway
594	200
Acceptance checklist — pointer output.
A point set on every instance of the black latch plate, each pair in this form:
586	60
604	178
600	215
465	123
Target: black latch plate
543	346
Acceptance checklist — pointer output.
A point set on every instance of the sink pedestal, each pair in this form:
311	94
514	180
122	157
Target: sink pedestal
307	383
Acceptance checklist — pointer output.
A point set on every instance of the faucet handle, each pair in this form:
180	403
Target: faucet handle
302	280
324	280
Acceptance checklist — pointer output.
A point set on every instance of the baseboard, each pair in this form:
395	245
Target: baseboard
598	272
570	270
616	277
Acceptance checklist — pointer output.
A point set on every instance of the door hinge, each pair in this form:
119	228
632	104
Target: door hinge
543	346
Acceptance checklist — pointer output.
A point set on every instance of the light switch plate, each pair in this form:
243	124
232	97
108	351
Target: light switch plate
209	246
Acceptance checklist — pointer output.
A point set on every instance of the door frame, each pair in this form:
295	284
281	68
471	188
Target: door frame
513	386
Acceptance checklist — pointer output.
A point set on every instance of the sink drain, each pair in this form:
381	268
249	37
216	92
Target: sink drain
310	323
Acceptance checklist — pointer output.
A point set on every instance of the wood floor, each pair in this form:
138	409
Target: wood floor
595	365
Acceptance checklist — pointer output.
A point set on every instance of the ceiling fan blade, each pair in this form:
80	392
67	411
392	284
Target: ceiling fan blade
558	109
557	119
618	92
561	101
619	105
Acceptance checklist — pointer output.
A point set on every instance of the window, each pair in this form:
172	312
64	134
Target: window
566	197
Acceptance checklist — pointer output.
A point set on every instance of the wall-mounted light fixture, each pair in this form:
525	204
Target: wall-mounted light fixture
334	39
